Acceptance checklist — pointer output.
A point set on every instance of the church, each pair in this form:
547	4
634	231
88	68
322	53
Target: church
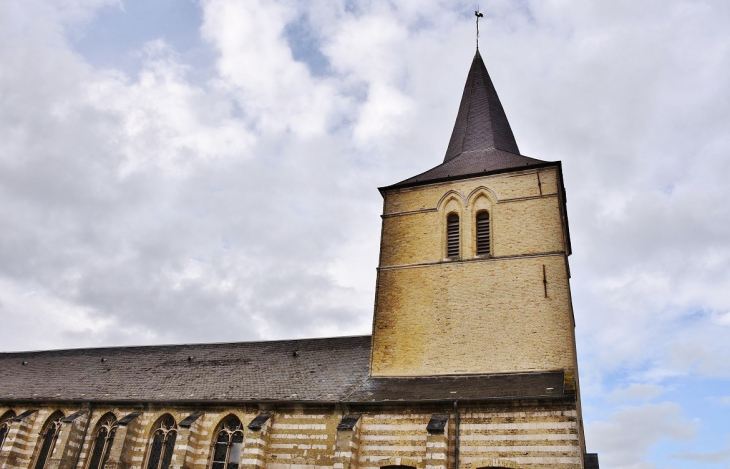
471	363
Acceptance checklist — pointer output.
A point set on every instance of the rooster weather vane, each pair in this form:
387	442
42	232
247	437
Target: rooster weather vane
478	15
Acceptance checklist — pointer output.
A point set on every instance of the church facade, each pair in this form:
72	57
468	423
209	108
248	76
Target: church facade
471	363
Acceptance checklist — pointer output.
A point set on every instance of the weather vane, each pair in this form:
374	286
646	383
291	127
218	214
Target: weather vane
478	15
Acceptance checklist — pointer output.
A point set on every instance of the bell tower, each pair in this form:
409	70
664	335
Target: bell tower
473	275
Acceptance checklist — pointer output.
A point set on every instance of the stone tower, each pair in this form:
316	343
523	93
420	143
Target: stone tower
473	275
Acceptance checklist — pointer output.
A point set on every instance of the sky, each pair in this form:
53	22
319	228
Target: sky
176	171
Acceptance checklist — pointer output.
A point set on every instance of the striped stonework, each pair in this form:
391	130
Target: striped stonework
511	434
303	439
347	447
530	438
69	442
256	446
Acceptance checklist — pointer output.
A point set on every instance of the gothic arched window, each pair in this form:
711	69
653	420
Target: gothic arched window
452	236
47	440
103	439
162	443
483	243
5	426
228	444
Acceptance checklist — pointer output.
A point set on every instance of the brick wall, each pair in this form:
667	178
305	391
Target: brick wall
475	314
525	434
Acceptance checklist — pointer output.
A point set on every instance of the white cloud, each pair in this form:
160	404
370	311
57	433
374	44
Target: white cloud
624	441
636	392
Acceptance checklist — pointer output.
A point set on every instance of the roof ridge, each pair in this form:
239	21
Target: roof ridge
160	346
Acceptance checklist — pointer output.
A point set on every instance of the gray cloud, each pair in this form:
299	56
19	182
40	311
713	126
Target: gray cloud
624	441
162	207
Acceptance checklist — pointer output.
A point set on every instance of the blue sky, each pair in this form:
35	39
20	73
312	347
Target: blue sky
169	170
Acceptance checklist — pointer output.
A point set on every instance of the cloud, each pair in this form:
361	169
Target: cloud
710	457
624	441
171	204
636	392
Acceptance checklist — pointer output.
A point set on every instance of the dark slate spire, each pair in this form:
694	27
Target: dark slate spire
482	140
481	122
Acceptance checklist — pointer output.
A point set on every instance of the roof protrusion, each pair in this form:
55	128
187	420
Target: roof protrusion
437	424
25	414
128	418
73	416
188	421
348	422
258	423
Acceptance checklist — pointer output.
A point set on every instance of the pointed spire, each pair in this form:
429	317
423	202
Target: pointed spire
481	123
482	141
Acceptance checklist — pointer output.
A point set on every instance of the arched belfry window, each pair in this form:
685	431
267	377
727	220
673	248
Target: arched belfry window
228	444
162	444
5	426
483	234
103	439
47	440
452	236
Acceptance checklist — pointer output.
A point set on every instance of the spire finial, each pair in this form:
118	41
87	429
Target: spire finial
478	15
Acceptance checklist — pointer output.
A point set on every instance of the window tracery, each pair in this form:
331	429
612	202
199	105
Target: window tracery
5	426
103	439
162	444
48	438
228	444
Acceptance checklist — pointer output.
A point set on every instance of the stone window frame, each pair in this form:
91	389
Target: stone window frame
451	203
165	425
53	423
481	199
231	432
108	423
5	422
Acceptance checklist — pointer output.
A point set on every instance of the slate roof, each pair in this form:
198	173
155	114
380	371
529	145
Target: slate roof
482	140
309	370
591	461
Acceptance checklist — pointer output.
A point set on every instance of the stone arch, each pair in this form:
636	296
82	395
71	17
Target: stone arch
452	202
5	421
451	194
235	436
482	190
400	463
481	199
46	443
160	442
493	464
96	422
101	440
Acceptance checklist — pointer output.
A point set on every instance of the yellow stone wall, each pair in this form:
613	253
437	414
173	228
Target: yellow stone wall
525	434
475	314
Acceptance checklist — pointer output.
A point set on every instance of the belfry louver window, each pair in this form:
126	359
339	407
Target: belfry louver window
483	244
452	236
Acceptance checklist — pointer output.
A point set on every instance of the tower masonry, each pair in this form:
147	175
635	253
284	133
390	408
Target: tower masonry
473	275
